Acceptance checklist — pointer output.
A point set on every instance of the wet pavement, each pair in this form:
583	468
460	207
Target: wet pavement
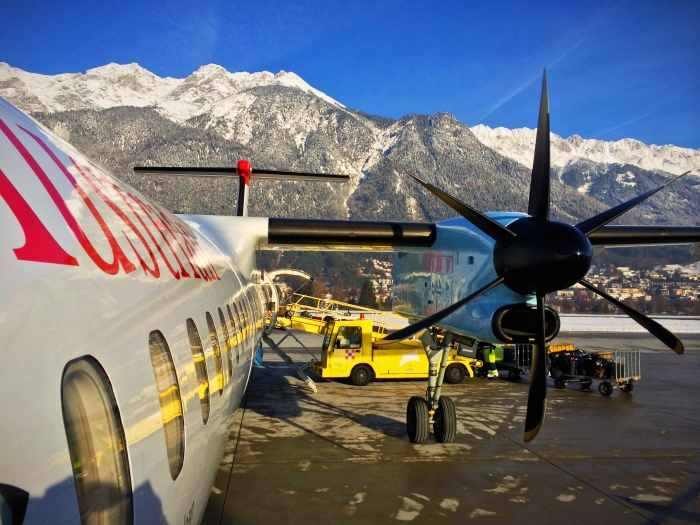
342	455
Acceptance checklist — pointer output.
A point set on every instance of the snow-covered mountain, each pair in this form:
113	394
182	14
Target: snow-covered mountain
211	89
123	115
519	144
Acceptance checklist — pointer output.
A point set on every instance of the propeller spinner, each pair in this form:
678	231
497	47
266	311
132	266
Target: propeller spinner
534	255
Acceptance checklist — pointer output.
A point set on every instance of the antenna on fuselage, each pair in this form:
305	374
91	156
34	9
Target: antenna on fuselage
244	173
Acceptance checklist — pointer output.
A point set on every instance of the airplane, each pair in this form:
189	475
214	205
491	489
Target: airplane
128	332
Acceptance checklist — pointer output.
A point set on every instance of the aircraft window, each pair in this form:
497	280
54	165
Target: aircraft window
349	337
470	259
252	311
217	353
242	321
227	342
170	401
246	318
234	331
200	368
96	444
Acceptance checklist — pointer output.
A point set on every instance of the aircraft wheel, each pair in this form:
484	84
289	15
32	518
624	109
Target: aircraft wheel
361	375
445	421
627	387
559	383
454	374
605	388
417	420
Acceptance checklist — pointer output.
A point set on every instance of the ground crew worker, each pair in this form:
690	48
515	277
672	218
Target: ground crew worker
490	362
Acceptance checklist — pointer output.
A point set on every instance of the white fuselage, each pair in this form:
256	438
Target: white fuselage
90	267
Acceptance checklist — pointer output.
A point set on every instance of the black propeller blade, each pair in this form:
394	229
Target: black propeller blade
537	395
232	172
478	219
538	205
594	223
662	334
414	328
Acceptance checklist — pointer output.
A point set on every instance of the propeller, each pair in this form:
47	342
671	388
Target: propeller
232	172
536	256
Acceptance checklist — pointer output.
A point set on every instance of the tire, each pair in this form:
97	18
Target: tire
445	421
417	420
361	375
454	374
586	384
514	374
559	383
627	388
605	388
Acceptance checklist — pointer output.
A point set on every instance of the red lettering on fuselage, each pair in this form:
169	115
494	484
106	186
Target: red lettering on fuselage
40	246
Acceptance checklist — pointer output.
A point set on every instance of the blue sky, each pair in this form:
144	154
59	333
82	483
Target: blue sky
616	69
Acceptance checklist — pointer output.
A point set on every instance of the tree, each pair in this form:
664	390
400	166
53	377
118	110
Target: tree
367	297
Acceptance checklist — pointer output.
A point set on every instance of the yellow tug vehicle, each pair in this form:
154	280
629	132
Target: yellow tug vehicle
348	349
348	352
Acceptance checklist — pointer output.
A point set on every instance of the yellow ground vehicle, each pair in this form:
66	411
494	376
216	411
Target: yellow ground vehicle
347	351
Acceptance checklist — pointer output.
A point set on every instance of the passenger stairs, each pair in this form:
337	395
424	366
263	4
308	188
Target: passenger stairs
310	314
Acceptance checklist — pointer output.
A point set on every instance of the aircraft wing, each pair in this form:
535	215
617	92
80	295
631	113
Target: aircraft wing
353	235
317	233
620	236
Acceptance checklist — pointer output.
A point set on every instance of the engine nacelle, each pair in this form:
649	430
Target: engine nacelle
516	323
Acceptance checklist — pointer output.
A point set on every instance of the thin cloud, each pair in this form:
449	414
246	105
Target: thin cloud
604	132
580	37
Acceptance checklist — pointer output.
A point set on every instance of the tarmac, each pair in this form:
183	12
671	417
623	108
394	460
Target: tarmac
342	455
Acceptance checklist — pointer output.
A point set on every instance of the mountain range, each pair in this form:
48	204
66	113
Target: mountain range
124	115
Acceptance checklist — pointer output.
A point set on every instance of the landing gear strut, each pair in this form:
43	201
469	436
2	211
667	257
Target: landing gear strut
435	409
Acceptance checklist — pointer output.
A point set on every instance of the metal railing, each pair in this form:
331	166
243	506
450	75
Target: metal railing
329	307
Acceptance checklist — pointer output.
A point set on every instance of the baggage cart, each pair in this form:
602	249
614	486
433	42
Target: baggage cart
618	368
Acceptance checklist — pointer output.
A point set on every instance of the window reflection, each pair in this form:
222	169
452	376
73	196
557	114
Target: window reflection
170	401
96	444
234	332
227	342
200	367
217	353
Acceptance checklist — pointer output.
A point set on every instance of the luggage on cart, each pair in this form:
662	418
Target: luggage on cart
614	369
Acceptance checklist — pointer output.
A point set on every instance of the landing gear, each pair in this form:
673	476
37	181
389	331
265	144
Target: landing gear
445	421
417	420
435	409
